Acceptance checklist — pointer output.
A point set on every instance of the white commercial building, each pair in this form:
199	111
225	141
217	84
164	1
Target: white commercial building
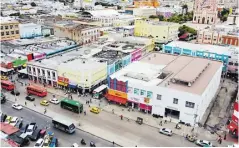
30	30
144	11
180	87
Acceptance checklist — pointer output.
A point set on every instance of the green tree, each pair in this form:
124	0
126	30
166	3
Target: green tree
153	16
33	4
161	18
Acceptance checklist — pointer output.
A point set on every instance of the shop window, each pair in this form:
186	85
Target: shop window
159	97
190	104
142	92
149	94
175	101
136	91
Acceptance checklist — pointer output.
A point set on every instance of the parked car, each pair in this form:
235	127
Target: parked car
31	128
35	135
17	106
166	131
30	98
75	145
8	119
54	101
15	92
204	143
54	142
14	121
39	143
44	103
46	141
233	145
95	110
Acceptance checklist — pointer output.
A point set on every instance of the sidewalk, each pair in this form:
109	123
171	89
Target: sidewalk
125	140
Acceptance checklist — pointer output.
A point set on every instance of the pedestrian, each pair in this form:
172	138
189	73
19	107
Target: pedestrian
192	129
84	112
90	101
25	103
113	111
161	123
225	137
121	117
113	143
45	111
15	99
136	146
34	104
165	121
85	102
170	120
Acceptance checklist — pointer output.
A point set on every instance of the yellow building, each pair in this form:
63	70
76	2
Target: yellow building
142	3
162	32
81	33
9	29
86	73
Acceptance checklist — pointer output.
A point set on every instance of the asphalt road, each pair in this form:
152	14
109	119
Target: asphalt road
65	140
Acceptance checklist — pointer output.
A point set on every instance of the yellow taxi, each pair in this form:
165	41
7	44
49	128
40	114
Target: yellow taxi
95	110
44	103
4	77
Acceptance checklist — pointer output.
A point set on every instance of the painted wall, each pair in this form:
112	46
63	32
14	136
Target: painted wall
136	55
30	30
202	54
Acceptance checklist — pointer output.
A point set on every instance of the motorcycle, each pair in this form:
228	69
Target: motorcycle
83	142
178	126
92	144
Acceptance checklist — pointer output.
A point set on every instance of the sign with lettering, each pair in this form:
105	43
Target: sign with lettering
63	80
117	93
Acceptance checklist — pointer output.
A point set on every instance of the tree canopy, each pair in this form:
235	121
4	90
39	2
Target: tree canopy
186	29
33	4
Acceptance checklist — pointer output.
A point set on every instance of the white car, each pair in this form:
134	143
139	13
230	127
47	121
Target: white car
54	101
166	131
233	145
17	106
39	143
75	145
204	143
14	121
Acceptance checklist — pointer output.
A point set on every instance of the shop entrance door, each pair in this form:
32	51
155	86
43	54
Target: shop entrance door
172	113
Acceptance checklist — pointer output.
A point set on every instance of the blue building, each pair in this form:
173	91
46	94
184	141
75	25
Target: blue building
221	53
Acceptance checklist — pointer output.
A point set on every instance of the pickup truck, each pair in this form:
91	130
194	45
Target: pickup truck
31	128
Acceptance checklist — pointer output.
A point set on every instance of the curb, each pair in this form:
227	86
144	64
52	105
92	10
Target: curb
76	126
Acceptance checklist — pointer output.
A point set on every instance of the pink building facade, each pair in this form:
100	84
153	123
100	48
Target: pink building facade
205	12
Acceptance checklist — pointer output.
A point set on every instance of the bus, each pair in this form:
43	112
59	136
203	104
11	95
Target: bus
72	105
99	92
36	90
64	125
7	85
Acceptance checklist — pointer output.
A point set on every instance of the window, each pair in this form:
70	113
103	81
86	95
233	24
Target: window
159	97
11	26
149	94
43	72
142	92
230	63
175	101
17	32
236	64
6	27
1	27
136	91
38	71
34	70
189	104
130	89
2	33
12	32
7	32
16	26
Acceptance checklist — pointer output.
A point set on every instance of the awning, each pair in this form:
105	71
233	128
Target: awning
62	83
184	36
145	107
117	99
72	86
5	70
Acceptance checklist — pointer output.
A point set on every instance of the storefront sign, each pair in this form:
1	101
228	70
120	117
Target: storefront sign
63	80
117	93
62	83
146	100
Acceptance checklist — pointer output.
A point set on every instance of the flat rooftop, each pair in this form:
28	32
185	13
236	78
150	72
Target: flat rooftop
72	25
123	47
226	50
182	73
53	61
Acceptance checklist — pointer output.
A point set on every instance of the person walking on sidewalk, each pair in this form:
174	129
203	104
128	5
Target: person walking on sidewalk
113	143
121	117
84	112
45	111
25	103
161	123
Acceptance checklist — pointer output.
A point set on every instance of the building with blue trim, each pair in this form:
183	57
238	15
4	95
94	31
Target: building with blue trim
30	30
221	53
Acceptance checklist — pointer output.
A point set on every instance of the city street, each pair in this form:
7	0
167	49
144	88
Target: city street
65	140
105	125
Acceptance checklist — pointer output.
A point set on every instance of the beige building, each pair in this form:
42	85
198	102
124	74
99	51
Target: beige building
81	33
9	29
